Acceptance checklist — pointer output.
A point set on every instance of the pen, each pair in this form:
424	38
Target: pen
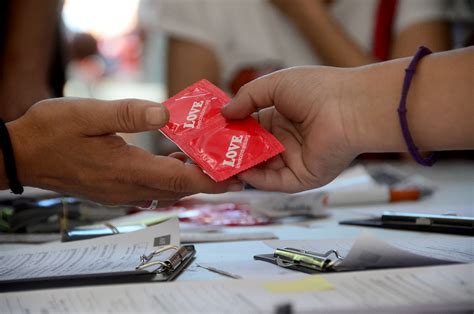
373	195
427	219
220	272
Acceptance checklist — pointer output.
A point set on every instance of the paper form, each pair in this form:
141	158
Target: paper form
200	237
251	269
415	289
369	252
115	253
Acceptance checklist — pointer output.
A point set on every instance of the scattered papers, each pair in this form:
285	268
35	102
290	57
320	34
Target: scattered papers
200	237
368	252
271	204
251	269
439	288
115	253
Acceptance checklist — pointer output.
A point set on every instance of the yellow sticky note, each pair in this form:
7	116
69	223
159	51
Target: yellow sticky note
306	284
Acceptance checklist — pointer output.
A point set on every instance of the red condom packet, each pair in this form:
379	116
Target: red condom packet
222	148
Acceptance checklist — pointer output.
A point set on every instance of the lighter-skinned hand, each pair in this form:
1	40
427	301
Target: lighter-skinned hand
300	107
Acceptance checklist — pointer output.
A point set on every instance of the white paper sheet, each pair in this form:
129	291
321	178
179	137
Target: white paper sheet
201	237
369	252
439	288
100	255
251	269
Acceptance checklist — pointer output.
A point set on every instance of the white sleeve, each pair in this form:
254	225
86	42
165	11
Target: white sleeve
186	19
410	12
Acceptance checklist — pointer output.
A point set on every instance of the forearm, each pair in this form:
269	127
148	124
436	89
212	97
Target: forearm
31	29
189	62
328	40
440	103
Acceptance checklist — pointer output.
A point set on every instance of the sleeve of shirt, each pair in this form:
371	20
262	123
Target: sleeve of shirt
410	12
185	19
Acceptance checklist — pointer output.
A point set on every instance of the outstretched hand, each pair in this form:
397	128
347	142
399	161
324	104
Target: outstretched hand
70	146
301	108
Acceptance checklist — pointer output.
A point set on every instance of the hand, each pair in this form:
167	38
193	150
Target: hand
70	146
305	113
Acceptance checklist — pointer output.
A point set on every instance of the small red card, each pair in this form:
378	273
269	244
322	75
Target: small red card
222	148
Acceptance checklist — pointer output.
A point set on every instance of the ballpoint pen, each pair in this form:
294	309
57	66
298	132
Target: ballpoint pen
220	272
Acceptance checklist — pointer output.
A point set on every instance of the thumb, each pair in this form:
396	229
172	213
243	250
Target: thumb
252	97
126	115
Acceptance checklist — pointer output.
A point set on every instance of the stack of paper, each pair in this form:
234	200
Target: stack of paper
368	252
431	289
105	255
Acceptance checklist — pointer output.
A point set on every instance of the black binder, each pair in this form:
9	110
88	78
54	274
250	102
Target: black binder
147	269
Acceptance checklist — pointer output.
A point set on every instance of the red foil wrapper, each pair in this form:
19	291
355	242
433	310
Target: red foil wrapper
222	148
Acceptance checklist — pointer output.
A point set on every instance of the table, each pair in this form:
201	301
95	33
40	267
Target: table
455	181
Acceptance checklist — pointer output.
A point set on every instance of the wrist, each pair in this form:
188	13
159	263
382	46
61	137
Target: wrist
373	94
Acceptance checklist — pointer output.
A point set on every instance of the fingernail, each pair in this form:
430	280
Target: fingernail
156	116
226	106
235	187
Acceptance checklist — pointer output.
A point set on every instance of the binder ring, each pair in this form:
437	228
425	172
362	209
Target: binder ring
112	227
290	257
145	260
150	205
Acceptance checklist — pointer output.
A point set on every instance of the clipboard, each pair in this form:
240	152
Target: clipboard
150	268
302	260
450	224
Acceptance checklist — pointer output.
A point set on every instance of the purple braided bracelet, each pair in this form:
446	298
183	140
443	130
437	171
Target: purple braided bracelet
402	110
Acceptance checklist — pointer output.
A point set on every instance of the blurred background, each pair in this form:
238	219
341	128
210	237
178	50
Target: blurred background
150	49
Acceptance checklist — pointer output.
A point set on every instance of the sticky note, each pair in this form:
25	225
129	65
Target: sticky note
306	284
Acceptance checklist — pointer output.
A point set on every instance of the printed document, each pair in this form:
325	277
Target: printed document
428	289
116	253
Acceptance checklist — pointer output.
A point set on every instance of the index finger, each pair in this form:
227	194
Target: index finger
171	174
252	97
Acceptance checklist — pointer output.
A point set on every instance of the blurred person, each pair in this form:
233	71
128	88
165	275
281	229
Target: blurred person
326	116
86	63
31	61
83	45
234	41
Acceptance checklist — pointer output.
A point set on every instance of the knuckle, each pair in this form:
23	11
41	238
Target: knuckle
177	183
123	177
125	116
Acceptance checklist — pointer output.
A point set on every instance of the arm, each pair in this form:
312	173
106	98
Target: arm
335	46
326	116
70	146
432	34
440	103
189	62
27	54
